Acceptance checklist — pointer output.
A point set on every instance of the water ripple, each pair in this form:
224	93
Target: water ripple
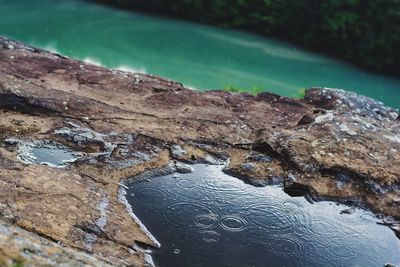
287	246
222	221
233	223
151	195
290	206
342	251
206	220
274	218
186	184
372	236
322	228
222	186
181	214
368	217
210	236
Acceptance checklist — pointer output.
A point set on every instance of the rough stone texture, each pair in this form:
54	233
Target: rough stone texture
331	144
19	247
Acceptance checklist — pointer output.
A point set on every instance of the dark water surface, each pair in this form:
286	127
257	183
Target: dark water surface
199	56
207	218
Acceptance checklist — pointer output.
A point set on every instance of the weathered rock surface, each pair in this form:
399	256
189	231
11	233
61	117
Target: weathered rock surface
331	144
19	247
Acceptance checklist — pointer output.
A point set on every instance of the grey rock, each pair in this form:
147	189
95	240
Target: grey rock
255	156
177	151
248	167
183	168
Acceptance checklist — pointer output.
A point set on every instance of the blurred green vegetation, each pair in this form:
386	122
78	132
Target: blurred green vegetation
362	32
257	89
17	262
235	89
301	93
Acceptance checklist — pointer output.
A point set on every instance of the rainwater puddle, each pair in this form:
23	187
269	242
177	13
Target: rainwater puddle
48	153
208	218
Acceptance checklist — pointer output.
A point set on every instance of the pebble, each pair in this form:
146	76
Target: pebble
183	168
347	211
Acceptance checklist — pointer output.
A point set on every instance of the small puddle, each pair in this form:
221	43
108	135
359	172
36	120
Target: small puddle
208	218
48	153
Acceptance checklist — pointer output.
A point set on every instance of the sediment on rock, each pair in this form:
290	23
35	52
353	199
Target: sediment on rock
333	144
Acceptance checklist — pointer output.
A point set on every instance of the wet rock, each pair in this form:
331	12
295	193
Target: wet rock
374	187
343	177
262	138
85	138
248	167
255	156
177	151
347	211
276	180
396	229
183	168
11	141
294	188
209	159
23	248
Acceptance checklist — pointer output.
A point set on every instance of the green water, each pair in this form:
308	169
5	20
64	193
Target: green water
199	56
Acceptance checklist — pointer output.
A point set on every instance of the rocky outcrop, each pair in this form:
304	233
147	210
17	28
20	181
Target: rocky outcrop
330	145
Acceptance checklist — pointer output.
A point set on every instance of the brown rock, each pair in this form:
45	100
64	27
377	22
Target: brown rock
336	144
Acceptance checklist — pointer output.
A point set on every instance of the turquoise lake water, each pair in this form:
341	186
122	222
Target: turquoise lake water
199	56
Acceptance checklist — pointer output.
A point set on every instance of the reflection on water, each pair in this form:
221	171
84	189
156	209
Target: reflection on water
199	56
207	218
52	156
48	153
272	48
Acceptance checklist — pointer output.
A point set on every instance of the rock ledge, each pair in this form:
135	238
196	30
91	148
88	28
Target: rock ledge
330	145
